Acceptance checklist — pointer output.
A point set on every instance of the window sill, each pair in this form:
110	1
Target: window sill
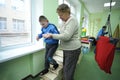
19	52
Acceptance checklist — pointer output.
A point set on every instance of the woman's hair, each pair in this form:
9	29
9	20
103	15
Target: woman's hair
64	8
42	18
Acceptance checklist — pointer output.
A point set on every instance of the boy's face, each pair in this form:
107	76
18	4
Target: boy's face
44	23
104	29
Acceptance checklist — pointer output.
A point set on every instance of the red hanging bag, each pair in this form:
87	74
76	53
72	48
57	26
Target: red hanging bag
105	53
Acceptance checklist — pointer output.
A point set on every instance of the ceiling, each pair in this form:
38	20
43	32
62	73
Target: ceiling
94	6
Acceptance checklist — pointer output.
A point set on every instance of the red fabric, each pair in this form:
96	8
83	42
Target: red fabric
104	53
85	41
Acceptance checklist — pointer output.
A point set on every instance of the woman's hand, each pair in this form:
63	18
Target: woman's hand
48	35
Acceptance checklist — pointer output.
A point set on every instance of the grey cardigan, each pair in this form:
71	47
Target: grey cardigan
69	35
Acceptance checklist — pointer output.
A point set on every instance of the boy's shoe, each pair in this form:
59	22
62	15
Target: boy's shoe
43	72
55	66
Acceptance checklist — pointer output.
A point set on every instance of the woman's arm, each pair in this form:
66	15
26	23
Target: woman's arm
68	32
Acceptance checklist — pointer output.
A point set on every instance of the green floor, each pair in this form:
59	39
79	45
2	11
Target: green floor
89	70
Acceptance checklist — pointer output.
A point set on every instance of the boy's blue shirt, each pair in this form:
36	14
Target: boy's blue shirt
101	33
51	28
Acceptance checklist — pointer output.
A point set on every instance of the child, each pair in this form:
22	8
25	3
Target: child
51	44
102	32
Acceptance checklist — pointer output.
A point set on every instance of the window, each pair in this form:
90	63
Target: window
72	7
61	2
15	23
67	2
18	5
73	11
85	24
18	25
2	23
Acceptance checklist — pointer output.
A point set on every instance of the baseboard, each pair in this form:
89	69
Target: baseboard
29	76
36	75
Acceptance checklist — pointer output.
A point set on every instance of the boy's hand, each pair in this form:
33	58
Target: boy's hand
48	35
45	35
37	38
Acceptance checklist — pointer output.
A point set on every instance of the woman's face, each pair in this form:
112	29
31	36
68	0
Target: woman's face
63	16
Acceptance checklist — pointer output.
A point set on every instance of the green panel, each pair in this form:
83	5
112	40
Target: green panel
19	68
38	62
115	18
15	69
82	15
50	7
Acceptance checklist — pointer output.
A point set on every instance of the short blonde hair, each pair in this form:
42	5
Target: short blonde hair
64	8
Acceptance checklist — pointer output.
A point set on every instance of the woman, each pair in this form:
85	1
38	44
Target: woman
69	41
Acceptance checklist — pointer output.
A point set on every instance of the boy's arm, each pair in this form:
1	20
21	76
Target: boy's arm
106	32
54	30
40	35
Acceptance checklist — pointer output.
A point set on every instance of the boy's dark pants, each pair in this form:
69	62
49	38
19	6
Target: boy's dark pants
50	50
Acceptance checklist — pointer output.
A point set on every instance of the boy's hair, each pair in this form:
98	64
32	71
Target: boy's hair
42	18
104	27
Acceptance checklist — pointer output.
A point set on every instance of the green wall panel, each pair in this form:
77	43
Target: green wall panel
21	67
49	11
38	62
15	69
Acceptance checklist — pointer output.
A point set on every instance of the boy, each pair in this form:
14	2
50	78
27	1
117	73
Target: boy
51	44
102	32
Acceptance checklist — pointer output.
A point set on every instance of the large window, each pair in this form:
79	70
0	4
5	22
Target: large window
15	22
